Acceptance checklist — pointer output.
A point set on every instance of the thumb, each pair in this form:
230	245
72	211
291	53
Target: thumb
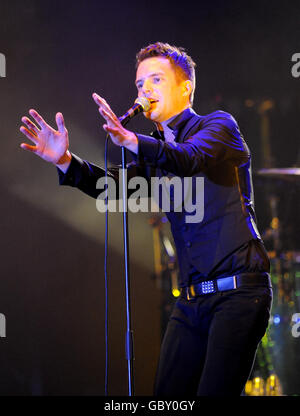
60	122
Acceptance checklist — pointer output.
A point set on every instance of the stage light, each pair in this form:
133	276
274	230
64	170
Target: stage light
275	223
273	387
276	319
175	293
248	387
258	387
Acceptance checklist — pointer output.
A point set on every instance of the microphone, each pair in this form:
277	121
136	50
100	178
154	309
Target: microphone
140	104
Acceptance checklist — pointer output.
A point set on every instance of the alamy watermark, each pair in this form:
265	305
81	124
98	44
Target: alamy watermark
2	326
296	326
2	66
173	194
296	67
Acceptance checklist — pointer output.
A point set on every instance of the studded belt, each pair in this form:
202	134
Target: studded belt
225	283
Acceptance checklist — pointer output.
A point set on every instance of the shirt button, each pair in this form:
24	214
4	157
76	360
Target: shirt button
189	244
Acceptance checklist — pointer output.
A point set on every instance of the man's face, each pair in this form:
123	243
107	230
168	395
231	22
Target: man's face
156	80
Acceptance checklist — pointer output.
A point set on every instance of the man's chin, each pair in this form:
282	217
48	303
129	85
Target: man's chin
152	115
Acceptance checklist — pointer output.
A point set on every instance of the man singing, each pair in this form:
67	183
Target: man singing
224	307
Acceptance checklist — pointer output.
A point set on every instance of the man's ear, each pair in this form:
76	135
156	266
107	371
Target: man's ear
187	86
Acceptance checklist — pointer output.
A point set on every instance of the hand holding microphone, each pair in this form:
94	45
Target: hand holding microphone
115	126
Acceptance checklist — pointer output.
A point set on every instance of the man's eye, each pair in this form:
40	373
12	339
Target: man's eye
156	80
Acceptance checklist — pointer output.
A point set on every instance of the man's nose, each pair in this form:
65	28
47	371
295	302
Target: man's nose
146	90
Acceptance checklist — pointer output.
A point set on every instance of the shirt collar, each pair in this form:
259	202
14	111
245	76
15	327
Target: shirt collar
176	122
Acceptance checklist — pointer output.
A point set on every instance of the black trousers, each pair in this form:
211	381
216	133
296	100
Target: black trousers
210	342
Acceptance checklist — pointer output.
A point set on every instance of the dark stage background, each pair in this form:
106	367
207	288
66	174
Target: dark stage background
52	239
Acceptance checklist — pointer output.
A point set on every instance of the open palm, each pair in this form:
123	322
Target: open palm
49	144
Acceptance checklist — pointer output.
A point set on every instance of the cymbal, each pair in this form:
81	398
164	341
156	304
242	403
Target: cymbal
291	174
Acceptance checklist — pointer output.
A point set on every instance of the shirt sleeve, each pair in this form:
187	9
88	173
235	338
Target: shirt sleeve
84	175
217	139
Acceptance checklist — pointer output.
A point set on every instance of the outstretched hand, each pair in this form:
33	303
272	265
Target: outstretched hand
49	144
119	135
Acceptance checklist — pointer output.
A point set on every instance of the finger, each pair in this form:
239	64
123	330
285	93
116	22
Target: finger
29	134
28	147
60	123
104	114
30	125
109	117
113	130
39	119
103	104
98	100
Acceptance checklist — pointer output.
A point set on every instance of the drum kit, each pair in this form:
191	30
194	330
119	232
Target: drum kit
275	371
282	174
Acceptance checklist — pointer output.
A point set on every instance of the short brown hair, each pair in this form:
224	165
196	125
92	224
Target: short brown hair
180	60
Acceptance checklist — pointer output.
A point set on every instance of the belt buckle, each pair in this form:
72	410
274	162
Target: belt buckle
227	283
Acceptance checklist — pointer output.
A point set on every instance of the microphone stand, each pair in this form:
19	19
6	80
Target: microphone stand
139	106
129	332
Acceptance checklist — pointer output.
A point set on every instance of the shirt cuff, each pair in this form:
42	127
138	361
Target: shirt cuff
71	176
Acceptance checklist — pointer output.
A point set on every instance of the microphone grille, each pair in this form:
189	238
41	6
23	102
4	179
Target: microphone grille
144	102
